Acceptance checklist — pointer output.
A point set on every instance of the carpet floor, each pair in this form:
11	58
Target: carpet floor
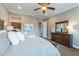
65	51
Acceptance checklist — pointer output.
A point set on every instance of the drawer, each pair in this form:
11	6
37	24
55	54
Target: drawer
68	45
63	39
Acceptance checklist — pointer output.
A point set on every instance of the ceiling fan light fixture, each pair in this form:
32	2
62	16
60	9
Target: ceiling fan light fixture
19	8
43	8
46	14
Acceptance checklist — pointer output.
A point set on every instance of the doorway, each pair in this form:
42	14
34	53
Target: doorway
43	29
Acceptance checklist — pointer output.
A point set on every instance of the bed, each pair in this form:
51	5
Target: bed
35	46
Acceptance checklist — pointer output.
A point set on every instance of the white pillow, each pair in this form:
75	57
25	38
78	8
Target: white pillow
20	36
13	38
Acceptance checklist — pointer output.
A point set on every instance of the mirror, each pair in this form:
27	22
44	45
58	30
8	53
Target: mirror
61	27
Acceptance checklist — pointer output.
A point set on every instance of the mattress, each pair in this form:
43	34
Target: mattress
35	46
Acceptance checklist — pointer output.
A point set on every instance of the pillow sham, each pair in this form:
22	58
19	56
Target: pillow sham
13	38
20	36
4	43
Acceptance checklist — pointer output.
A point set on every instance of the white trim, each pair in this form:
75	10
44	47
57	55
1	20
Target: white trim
74	46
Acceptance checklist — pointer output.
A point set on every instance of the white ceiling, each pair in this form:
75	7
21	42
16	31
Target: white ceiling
27	9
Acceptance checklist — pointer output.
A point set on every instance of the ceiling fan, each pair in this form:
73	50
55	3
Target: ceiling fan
44	7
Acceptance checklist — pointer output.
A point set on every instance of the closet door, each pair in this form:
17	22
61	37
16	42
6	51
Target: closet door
44	29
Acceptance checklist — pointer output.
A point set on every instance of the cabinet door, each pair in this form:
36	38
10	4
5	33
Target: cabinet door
52	37
59	38
66	40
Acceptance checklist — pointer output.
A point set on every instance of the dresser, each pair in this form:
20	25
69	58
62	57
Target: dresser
62	38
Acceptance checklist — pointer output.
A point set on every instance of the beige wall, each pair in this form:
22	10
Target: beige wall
31	20
4	15
25	19
73	17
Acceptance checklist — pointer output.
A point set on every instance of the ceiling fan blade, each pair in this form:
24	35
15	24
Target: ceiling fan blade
36	9
39	3
44	11
48	3
51	8
44	3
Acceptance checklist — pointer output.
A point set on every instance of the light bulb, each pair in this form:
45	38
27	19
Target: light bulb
43	8
19	8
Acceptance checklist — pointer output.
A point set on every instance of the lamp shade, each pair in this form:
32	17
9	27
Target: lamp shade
70	28
9	28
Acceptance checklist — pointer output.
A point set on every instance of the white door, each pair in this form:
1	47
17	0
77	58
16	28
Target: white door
44	29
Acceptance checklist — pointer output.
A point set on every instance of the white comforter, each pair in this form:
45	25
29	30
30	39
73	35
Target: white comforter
35	46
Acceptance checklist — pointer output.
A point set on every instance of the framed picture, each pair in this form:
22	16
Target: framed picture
28	26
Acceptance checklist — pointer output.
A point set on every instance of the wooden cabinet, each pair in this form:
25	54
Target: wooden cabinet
62	38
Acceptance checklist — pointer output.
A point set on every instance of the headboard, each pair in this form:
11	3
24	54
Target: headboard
16	25
1	24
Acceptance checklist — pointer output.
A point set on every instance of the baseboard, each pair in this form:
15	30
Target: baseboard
74	46
43	37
